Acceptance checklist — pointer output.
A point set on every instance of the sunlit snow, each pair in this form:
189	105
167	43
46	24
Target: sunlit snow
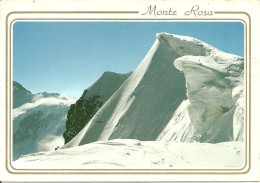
130	153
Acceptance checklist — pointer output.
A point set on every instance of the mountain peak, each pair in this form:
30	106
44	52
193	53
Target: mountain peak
18	86
174	37
109	73
20	95
187	45
146	102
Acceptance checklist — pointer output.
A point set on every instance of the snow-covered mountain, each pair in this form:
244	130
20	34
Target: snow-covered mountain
152	103
182	93
90	102
39	123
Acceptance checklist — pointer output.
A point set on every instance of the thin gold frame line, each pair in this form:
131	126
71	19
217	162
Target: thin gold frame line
122	19
127	169
148	20
39	169
74	12
135	169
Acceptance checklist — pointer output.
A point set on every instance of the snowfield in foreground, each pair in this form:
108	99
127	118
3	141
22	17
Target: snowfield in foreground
131	153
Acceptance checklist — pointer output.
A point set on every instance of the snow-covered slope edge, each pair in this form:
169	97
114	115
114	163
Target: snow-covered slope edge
90	102
131	153
39	124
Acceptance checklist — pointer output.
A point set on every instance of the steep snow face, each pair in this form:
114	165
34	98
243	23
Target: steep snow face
90	102
106	85
211	81
151	105
38	125
134	154
20	95
146	102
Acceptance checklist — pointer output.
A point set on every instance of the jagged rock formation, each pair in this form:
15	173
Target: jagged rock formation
79	114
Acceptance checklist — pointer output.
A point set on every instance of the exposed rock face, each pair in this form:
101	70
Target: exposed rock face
79	114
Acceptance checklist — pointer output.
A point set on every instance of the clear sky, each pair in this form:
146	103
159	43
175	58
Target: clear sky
66	57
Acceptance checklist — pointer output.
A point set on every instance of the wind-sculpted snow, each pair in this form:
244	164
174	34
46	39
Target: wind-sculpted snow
210	83
134	154
38	125
150	104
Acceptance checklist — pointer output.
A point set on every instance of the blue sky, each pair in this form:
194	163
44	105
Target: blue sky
66	57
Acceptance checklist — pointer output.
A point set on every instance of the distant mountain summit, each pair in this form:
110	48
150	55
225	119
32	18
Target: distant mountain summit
18	86
91	101
38	121
20	95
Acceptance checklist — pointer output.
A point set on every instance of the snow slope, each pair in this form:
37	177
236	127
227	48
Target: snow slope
131	153
147	105
179	127
90	102
106	85
39	124
143	105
